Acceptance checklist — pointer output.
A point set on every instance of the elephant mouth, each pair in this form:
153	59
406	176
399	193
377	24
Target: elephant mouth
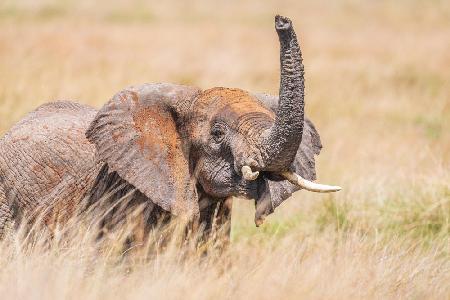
275	187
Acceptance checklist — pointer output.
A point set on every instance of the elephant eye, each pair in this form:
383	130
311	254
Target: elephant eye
218	132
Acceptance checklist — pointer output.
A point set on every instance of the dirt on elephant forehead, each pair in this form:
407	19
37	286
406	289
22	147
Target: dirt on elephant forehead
233	105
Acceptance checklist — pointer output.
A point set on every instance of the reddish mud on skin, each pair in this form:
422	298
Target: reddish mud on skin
136	135
231	104
173	145
237	108
160	141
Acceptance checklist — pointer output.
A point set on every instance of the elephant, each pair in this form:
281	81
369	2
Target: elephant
177	150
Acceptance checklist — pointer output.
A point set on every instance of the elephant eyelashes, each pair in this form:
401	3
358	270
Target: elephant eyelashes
218	132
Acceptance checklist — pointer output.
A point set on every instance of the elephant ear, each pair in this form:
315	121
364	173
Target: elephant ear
138	134
310	146
276	190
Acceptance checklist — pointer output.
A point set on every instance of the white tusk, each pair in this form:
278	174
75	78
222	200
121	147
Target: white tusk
248	174
309	185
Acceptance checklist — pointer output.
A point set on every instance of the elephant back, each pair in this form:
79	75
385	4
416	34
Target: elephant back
46	162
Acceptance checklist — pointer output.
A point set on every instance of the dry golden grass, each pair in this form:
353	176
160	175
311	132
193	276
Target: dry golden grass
378	89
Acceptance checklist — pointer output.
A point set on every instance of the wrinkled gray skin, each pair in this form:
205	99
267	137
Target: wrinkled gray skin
176	150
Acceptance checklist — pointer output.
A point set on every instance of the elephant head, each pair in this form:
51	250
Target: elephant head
175	142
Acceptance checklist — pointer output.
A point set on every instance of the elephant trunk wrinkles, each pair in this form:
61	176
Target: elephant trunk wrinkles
280	143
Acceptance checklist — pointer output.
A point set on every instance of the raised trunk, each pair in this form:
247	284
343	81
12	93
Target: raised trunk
281	142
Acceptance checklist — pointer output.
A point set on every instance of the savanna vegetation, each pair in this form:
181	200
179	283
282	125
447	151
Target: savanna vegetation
377	88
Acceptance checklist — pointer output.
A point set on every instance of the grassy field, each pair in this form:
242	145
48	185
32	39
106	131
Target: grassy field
378	90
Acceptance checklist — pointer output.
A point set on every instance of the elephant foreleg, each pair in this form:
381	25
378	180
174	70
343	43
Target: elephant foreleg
215	220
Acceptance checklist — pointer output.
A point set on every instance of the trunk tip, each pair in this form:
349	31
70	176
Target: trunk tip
282	23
